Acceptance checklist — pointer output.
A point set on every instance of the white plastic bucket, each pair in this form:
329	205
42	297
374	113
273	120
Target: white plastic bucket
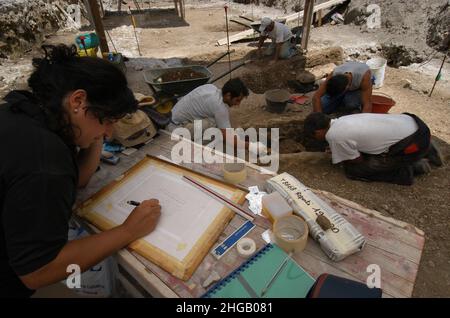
378	67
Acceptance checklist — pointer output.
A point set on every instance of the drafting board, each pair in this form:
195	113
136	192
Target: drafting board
190	222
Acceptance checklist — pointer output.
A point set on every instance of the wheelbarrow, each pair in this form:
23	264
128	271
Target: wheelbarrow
181	80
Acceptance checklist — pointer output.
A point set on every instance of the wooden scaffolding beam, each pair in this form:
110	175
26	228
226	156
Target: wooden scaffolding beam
307	22
99	29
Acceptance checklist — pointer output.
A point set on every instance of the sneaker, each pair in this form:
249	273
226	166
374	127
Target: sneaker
421	167
434	155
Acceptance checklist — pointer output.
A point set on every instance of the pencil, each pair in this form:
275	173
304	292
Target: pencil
278	271
135	203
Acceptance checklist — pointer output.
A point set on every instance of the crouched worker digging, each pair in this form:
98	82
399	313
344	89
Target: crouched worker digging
377	147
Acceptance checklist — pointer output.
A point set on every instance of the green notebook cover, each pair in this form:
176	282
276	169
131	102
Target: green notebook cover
250	278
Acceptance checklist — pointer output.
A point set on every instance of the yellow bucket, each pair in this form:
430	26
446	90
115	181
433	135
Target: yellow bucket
90	52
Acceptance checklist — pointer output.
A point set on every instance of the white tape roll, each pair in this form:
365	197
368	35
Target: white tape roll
246	246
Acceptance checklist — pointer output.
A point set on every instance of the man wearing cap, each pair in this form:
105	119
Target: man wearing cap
347	90
282	46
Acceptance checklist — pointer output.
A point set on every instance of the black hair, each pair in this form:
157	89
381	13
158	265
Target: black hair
337	84
315	121
236	87
62	71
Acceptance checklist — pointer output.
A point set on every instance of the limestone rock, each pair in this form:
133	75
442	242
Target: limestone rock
322	71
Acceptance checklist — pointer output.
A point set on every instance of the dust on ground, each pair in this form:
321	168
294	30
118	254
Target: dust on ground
169	42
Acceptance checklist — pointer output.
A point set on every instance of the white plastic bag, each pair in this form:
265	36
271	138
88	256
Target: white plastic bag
99	280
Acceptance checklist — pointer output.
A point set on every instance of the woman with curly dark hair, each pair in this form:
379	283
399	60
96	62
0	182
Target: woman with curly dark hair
52	138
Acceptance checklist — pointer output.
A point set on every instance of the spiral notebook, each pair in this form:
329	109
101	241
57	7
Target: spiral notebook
250	278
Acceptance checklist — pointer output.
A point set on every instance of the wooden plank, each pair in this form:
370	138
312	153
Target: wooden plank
318	7
179	8
315	265
175	3
393	236
289	18
150	282
392	269
246	18
183	11
372	213
307	23
72	23
241	23
99	29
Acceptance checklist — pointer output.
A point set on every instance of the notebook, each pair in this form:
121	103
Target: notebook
250	278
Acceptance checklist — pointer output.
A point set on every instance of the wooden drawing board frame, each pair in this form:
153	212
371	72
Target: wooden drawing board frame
184	268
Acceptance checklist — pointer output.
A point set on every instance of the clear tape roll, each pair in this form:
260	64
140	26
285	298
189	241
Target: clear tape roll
291	233
234	172
246	247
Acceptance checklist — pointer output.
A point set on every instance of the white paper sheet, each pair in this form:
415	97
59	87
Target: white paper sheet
186	211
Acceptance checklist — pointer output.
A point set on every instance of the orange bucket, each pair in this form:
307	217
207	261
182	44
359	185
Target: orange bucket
381	104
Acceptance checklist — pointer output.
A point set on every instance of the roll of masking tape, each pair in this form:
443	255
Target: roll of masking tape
290	233
246	247
234	172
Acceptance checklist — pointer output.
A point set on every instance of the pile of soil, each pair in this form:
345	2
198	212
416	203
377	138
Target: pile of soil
410	30
262	76
181	75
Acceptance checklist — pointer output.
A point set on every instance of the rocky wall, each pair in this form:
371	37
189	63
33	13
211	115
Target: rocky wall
25	23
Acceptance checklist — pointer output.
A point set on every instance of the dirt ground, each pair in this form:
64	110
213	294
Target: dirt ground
165	40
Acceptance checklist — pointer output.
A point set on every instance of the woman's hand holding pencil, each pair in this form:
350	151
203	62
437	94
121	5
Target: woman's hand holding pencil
143	219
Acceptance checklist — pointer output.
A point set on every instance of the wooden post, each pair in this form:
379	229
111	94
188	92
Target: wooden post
99	26
183	14
179	7
319	23
102	10
175	3
307	22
